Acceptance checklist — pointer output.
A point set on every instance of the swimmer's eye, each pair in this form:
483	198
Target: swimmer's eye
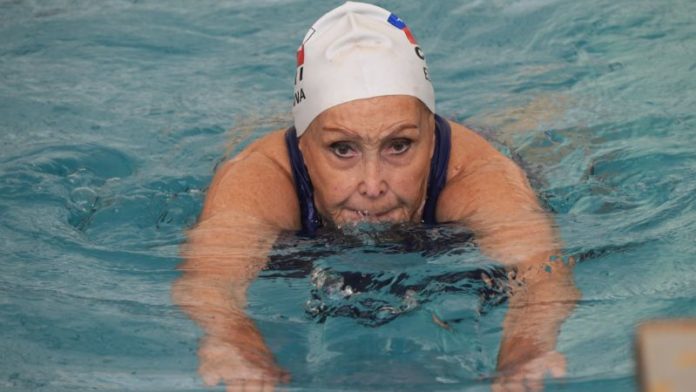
399	146
343	150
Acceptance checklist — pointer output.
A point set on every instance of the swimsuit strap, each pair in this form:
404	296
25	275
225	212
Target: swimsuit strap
303	185
438	169
305	192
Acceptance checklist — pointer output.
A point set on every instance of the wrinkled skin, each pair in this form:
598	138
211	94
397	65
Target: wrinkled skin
367	170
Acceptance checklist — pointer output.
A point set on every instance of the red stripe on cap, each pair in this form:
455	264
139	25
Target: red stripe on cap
300	56
410	36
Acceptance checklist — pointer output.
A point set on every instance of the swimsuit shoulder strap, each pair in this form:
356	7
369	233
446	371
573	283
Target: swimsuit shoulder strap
438	168
303	185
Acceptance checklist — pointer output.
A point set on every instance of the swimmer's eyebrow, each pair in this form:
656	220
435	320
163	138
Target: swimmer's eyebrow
354	135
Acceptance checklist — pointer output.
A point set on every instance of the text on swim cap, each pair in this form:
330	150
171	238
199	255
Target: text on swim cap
299	95
401	25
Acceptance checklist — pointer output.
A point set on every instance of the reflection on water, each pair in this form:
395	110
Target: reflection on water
376	276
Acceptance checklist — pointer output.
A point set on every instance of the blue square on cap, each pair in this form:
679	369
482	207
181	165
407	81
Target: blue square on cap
396	22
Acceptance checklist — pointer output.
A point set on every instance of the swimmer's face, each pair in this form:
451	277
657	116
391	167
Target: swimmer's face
369	159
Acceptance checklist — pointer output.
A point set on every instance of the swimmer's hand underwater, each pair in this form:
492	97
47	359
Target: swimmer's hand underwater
223	254
529	375
249	369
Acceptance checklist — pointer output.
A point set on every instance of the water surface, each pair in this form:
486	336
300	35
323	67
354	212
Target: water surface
114	115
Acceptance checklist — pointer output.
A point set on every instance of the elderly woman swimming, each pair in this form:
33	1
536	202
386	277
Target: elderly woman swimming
367	146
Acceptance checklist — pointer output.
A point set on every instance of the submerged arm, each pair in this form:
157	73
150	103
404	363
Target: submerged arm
492	196
223	254
221	263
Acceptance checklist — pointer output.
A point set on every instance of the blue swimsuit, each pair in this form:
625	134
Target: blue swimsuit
311	220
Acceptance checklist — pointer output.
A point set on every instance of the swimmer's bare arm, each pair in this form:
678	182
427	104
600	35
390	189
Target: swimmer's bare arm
251	199
491	195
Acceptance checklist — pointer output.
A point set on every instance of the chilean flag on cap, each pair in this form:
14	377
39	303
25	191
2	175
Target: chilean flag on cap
300	56
399	24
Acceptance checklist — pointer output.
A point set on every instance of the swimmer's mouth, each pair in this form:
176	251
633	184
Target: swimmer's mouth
367	216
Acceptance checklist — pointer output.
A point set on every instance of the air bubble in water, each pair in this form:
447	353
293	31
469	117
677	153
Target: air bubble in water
83	198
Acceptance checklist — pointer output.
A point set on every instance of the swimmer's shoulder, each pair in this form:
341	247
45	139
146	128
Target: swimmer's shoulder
478	174
270	147
461	195
469	149
257	180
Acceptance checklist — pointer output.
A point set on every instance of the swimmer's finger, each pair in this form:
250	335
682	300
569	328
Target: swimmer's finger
558	366
269	387
207	371
557	372
253	386
210	377
508	386
498	386
241	385
509	383
236	386
535	384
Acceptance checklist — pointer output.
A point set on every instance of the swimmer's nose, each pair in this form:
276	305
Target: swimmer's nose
372	184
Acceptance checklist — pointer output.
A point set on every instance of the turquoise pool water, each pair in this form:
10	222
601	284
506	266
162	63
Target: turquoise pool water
114	114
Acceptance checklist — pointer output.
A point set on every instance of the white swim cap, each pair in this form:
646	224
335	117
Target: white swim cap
353	52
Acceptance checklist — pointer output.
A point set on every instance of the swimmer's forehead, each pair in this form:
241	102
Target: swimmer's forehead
377	115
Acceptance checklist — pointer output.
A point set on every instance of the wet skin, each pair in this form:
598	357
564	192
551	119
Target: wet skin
369	161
